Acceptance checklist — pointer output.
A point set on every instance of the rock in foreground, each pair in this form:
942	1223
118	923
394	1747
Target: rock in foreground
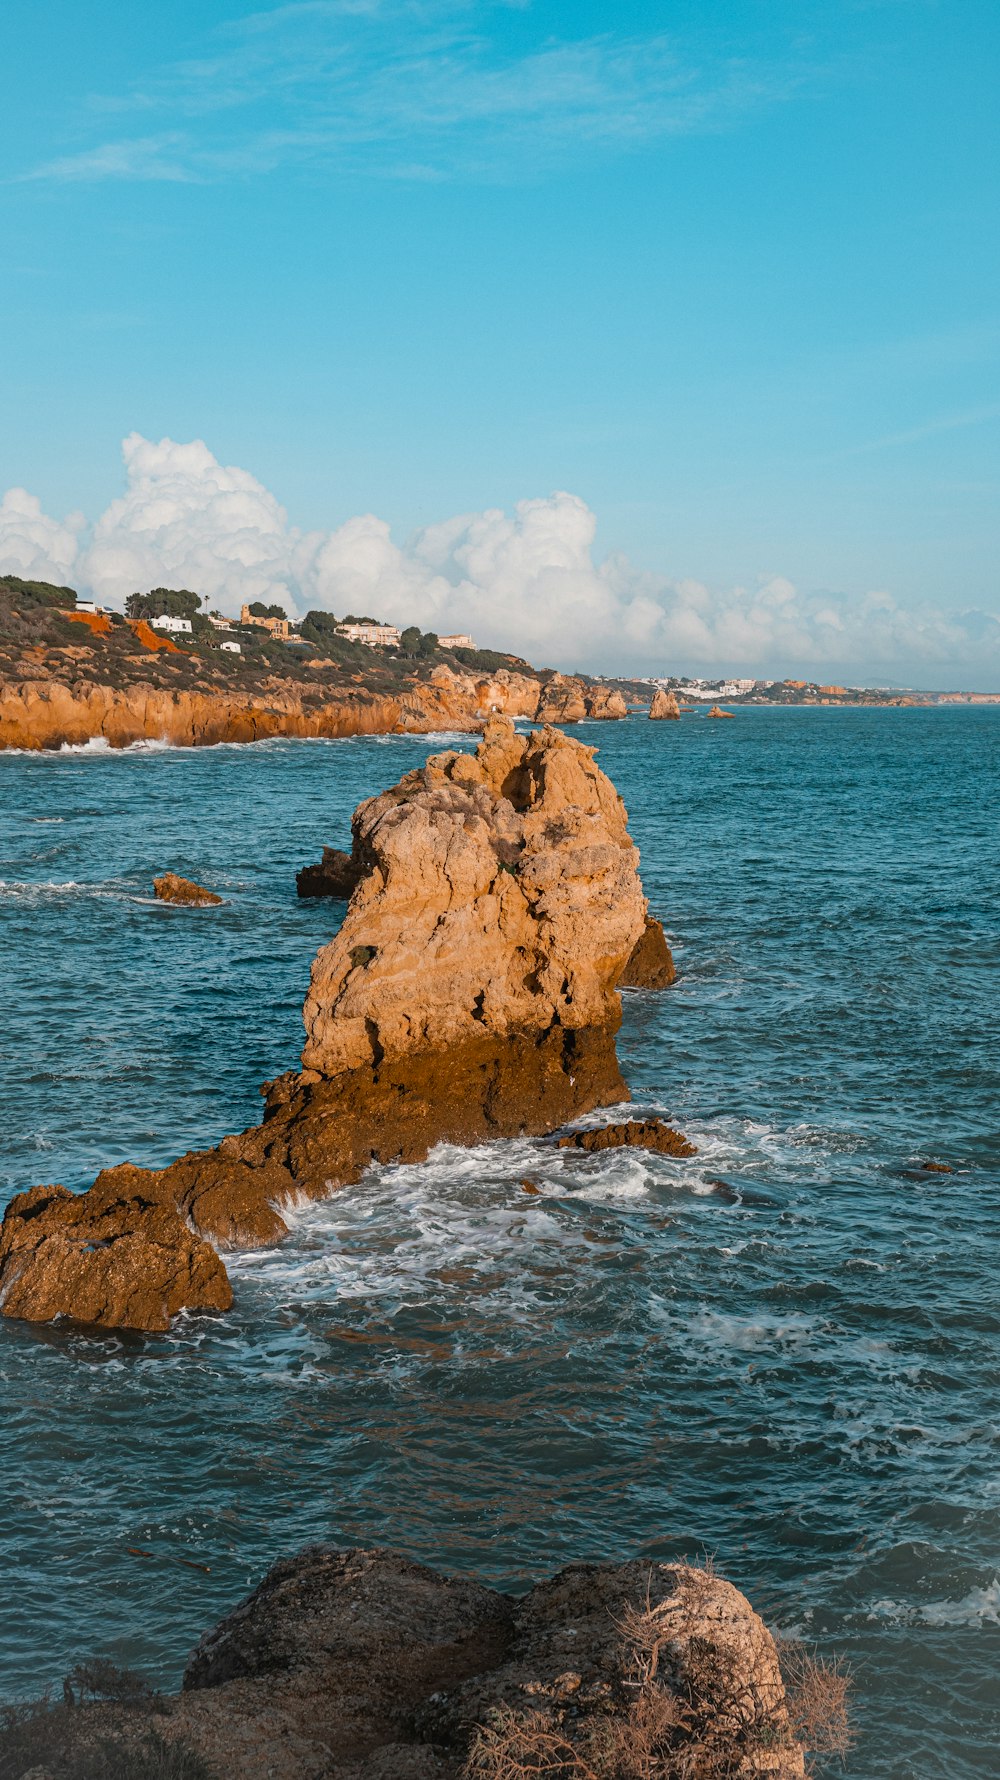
360	1665
171	888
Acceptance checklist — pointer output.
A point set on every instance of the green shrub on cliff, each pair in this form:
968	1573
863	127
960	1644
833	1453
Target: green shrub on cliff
28	594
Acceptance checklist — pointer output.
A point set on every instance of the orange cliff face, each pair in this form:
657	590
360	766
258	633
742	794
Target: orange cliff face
45	712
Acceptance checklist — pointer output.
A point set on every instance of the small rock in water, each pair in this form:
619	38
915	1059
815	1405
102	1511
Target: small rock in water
337	874
641	1134
530	1186
937	1168
717	711
651	965
171	888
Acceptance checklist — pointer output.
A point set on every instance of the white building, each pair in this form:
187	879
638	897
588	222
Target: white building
375	636
88	606
231	648
461	641
218	622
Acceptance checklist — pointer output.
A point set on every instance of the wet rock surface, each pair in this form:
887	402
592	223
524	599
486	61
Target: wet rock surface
115	1259
171	888
639	1134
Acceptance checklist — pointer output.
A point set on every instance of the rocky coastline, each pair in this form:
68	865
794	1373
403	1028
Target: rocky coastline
44	712
362	1665
471	993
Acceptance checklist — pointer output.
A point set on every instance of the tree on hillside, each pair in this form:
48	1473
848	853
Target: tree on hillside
409	642
163	602
428	642
257	609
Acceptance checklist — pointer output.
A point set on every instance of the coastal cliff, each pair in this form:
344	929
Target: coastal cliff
471	993
44	714
362	1665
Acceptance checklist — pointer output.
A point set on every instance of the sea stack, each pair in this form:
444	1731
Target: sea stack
471	993
664	704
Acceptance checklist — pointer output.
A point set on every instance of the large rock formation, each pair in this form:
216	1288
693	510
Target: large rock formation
471	993
501	897
664	704
561	701
605	702
565	699
360	1665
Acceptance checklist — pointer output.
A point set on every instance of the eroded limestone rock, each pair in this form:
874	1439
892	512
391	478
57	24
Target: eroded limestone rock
362	1665
501	897
664	704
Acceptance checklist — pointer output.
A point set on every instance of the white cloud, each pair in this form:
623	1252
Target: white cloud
33	545
526	581
186	520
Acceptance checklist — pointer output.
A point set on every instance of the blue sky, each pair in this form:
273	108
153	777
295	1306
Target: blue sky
727	274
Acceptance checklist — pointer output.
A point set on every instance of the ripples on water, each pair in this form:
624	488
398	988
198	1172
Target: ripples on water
783	1351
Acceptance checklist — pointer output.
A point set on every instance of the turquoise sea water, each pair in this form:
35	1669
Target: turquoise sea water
795	1369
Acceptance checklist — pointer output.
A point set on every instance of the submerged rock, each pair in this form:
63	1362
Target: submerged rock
171	888
118	1260
639	1134
651	965
664	704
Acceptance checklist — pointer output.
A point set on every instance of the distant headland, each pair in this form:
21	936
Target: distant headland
168	669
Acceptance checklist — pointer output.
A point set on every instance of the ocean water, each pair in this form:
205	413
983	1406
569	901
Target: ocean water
783	1352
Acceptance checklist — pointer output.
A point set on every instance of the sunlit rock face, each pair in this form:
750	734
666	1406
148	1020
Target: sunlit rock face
501	896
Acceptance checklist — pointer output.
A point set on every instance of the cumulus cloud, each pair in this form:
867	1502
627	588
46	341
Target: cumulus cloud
186	520
526	581
33	545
